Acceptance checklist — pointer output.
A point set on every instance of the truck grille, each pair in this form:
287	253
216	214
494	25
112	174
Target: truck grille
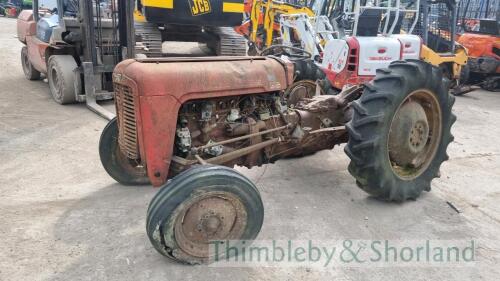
125	112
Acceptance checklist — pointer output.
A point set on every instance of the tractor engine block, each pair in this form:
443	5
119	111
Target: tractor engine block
252	130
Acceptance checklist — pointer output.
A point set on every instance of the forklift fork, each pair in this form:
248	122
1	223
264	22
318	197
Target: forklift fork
91	95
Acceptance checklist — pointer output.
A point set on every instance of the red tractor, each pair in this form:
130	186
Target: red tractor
183	123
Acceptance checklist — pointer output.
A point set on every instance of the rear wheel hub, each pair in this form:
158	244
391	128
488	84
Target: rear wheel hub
409	134
414	134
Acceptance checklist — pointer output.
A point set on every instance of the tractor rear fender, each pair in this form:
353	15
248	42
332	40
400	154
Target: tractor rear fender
160	86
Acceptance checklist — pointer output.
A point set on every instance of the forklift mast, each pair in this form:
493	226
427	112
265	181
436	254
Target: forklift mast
100	55
121	23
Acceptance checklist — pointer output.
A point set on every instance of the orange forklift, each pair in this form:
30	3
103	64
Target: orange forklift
76	47
480	26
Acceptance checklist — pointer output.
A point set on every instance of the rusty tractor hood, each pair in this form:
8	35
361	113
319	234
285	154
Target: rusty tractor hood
190	78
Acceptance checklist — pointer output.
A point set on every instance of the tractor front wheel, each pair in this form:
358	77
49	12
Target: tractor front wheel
400	131
204	205
118	166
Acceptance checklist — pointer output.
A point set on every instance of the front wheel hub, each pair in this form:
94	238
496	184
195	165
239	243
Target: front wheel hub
212	216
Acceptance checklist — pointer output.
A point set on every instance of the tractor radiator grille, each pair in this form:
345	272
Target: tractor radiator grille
125	112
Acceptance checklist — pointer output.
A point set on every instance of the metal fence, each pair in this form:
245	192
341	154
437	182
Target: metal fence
479	9
470	12
436	25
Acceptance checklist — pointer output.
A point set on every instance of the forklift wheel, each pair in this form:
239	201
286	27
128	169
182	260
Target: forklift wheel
400	131
29	71
202	206
117	165
61	78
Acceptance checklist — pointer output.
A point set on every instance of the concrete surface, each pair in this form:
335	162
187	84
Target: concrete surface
63	218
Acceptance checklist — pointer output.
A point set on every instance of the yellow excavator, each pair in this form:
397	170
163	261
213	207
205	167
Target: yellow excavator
261	26
210	22
223	25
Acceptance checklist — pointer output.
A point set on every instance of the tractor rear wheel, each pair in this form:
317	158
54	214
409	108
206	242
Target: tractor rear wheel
29	71
118	166
199	207
400	131
61	78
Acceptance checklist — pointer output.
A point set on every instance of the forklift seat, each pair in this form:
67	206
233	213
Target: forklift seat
369	22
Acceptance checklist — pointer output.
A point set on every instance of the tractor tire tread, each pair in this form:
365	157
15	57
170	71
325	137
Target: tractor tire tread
372	116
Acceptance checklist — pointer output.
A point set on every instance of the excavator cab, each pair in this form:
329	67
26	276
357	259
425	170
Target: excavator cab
210	22
193	12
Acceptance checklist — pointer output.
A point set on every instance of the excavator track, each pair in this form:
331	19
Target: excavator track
149	41
491	83
230	43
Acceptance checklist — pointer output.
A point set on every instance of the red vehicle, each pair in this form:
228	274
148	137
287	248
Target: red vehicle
56	47
480	24
183	123
484	59
190	119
